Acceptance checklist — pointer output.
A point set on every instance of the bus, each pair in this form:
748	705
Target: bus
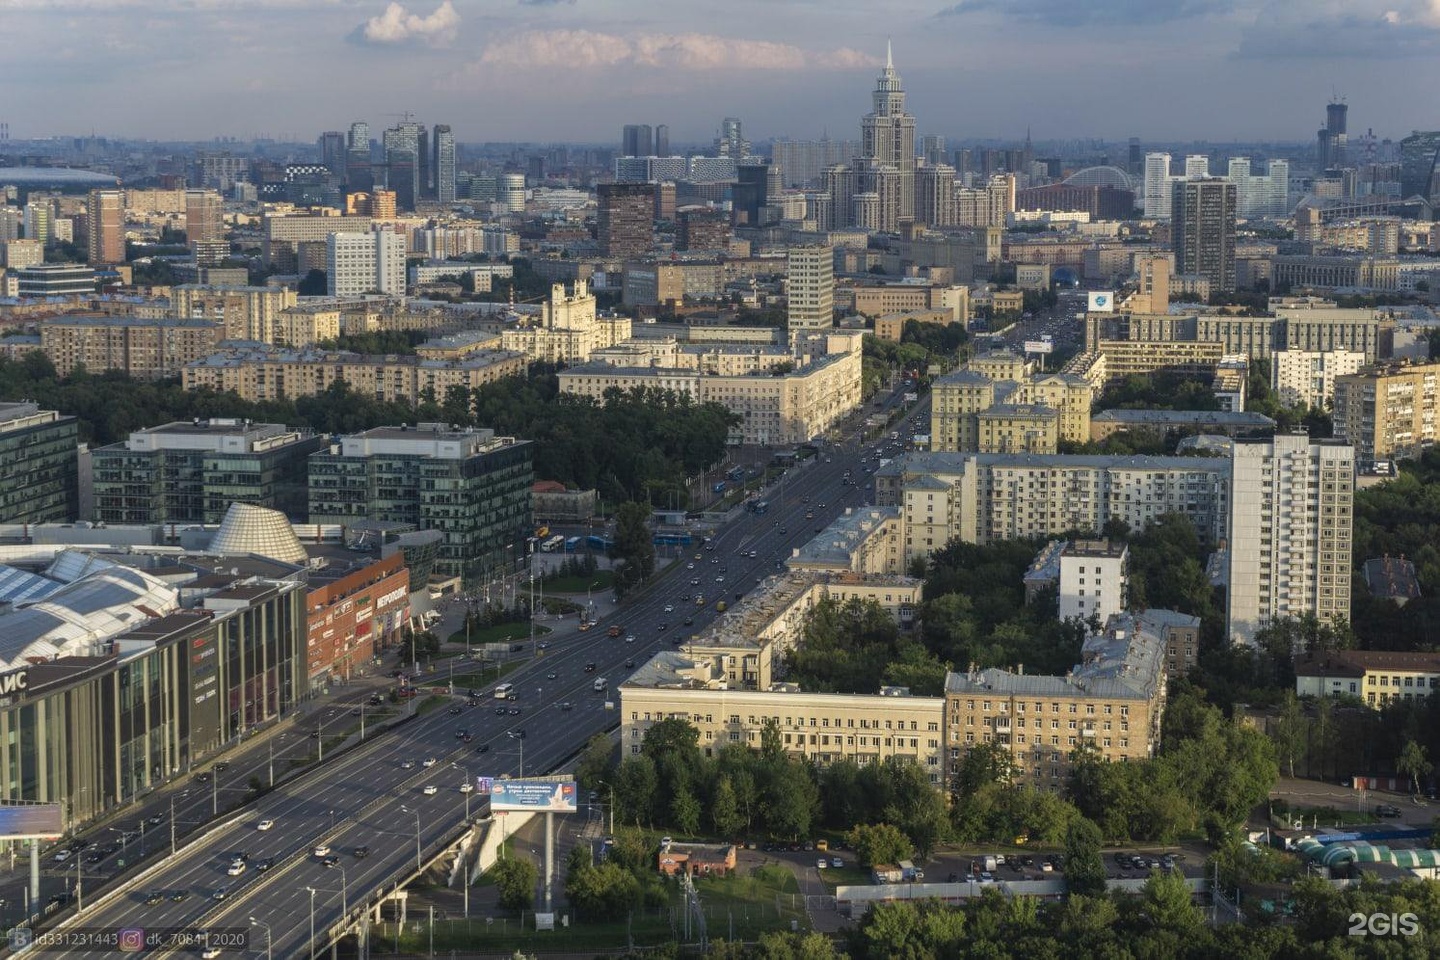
760	506
550	546
572	544
505	691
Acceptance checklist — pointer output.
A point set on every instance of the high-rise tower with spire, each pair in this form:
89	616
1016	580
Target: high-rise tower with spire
886	166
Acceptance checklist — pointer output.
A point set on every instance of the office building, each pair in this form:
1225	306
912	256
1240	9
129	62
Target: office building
270	373
1157	196
361	263
1094	579
986	497
443	164
403	166
39	479
470	485
1332	139
243	313
205	227
624	219
510	193
702	230
568	330
352	611
662	140
1197	167
732	143
1306	378
143	348
16	254
191	472
105	226
1378	678
810	292
1388	412
1419	157
803	163
1113	700
1291	503
636	141
1202	223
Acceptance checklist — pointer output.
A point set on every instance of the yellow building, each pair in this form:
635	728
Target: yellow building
1124	358
246	313
892	325
1112	700
1388	412
569	330
144	348
1017	428
306	325
1004	380
1378	677
259	374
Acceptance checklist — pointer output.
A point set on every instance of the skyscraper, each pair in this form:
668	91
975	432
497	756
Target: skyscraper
37	217
360	263
811	272
1157	186
624	219
662	140
750	193
935	195
1291	504
1419	156
635	140
424	173
887	151
333	147
402	166
105	220
359	138
444	163
731	142
1203	226
1331	141
359	176
205	227
1197	166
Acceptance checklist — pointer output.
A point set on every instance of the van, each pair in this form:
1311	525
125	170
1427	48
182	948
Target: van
600	684
505	691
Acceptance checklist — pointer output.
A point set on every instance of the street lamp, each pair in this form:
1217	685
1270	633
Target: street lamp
467	784
590	604
417	835
519	737
172	824
312	921
261	923
611	792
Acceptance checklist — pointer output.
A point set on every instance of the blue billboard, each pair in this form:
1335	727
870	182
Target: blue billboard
530	796
30	821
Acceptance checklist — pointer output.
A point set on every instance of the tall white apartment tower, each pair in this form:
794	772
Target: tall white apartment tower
361	263
1157	186
812	288
1291	503
1197	166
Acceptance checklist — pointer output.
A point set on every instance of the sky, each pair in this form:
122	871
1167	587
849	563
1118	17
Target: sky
575	71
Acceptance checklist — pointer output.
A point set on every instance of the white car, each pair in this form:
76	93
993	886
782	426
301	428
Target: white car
669	608
429	762
323	850
264	824
836	863
236	868
467	787
62	855
210	953
822	864
430	790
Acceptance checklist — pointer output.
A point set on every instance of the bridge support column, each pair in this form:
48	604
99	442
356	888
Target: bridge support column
34	876
549	859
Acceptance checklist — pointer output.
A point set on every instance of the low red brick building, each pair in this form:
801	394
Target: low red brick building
697	859
352	616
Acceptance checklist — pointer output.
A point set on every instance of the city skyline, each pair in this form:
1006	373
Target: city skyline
542	70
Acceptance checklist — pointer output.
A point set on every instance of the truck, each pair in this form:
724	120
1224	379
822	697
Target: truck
886	873
913	874
988	863
600	684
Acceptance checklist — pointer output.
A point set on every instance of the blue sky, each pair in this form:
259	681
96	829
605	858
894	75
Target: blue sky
576	70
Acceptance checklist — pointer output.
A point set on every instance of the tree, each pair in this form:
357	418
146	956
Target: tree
634	546
879	843
1289	730
685	811
594	764
604	892
1414	764
983	763
1084	870
1167	903
725	809
634	789
314	284
515	881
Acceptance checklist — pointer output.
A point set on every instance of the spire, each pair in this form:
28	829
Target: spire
889	60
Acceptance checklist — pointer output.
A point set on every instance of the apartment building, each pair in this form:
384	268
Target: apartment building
1305	328
1113	700
260	373
569	329
361	263
1377	677
1093	579
470	485
244	313
191	472
882	299
144	348
995	404
984	497
283	233
39	478
306	325
1290	517
867	540
1306	378
1388	412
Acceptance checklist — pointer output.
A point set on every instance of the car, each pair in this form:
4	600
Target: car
719	579
322	850
362	852
836	863
500	711
986	877
630	663
209	953
220	893
689	621
669	608
630	638
454	711
685	597
694	581
222	766
355	712
331	861
430	790
661	626
458	734
822	863
714	560
1386	810
822	506
63	855
467	787
236	868
782	530
666	841
202	778
407	764
264	824
552	675
689	566
154	897
483	748
1047	867
264	863
156	820
95	856
567	705
590	667
179	896
430	761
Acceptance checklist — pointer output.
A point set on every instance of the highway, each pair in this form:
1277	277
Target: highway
374	796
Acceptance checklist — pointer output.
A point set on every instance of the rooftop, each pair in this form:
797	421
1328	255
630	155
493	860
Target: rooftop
1256	421
952	462
1392	578
1356	662
839	541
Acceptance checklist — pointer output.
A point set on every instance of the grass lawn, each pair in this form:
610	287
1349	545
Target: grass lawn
845	877
603	580
500	633
1329	816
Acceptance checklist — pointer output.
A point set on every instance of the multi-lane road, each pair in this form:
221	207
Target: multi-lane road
375	796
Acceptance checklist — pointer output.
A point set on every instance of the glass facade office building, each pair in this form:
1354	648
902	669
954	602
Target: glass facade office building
39	465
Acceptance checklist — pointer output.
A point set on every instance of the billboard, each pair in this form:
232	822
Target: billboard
30	821
1039	346
530	796
1102	301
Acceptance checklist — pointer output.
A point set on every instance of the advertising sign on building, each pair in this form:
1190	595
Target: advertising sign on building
1102	301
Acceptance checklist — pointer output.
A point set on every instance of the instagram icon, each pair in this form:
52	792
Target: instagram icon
132	940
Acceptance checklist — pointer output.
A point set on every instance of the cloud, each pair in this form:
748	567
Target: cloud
1070	13
1343	29
544	3
581	49
397	25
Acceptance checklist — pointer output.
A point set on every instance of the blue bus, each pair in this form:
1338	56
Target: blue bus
572	544
600	543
